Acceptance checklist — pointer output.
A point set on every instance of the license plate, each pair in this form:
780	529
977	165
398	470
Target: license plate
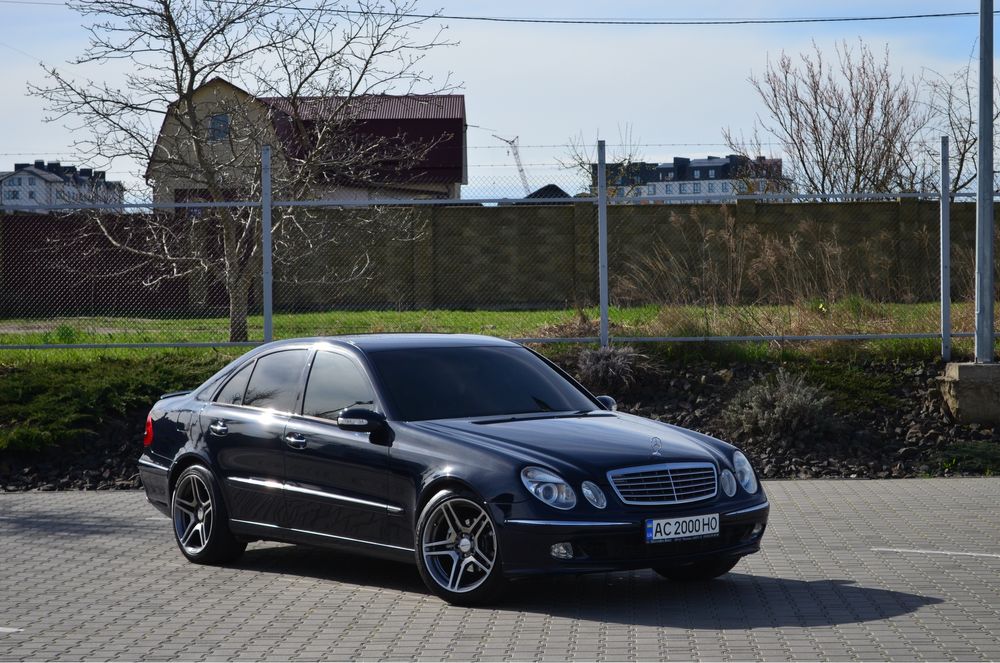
678	529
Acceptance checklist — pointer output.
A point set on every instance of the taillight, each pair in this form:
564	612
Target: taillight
147	438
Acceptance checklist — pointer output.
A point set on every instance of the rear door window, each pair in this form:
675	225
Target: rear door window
335	383
232	393
275	380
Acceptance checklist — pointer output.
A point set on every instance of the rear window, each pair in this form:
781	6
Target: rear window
275	380
452	383
232	393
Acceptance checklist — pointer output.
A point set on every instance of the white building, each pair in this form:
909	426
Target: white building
41	185
713	179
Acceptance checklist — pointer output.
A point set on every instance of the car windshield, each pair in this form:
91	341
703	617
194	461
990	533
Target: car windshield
452	383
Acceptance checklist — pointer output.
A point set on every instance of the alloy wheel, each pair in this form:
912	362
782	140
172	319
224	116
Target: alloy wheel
459	545
193	513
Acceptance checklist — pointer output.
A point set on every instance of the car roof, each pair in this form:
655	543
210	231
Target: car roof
400	341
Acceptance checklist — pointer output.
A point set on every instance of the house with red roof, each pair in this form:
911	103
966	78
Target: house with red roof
369	146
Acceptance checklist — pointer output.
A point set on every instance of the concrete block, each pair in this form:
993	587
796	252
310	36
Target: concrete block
972	392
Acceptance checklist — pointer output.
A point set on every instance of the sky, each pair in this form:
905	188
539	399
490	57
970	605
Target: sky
676	87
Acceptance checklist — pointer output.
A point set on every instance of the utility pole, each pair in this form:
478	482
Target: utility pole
984	195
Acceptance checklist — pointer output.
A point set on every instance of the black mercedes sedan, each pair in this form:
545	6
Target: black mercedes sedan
475	458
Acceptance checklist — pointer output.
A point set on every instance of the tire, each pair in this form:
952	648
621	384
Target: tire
708	569
200	520
462	567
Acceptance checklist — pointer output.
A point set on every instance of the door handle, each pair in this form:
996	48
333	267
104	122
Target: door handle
295	440
219	428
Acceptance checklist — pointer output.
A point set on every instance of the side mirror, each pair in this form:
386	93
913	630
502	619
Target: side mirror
608	403
360	420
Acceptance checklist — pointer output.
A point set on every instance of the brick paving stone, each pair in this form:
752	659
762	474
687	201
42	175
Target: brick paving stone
97	576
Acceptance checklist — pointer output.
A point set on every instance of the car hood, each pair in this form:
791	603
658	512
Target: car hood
590	444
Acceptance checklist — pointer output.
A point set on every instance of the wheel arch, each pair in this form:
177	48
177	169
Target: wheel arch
435	486
182	463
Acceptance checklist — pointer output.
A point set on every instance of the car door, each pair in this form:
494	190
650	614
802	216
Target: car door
335	480
244	426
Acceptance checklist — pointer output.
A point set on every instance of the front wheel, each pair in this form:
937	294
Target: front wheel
458	551
200	519
699	571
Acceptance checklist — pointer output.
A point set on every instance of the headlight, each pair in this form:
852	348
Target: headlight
594	494
728	482
744	473
548	487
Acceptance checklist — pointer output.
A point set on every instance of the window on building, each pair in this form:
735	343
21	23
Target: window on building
31	181
711	187
697	174
724	187
218	127
669	188
711	173
696	188
11	195
650	189
31	195
670	175
684	188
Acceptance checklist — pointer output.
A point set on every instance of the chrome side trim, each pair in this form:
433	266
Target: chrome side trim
756	507
347	538
568	523
251	522
263	483
292	488
155	466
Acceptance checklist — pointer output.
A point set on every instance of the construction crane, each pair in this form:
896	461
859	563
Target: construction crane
512	144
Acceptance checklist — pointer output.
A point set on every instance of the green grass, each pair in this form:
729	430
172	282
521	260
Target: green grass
850	316
970	457
851	387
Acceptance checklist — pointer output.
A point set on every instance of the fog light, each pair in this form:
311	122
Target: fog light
562	551
757	529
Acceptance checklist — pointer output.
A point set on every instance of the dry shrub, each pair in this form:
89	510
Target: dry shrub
795	278
777	410
612	368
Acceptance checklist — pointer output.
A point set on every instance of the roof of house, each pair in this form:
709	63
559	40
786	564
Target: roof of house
373	107
548	191
37	172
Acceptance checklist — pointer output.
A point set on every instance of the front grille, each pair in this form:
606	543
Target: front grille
671	483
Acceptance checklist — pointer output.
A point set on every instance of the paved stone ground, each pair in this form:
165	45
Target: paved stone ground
97	576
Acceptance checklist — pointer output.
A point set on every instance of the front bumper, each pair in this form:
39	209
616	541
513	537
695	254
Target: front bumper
618	543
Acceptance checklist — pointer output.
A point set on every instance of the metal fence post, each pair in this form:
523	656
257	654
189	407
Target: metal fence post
984	195
602	238
945	252
265	239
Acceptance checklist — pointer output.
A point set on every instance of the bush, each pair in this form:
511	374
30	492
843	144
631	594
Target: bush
777	410
612	368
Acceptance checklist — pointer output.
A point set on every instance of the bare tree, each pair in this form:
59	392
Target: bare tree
848	127
625	157
301	76
953	103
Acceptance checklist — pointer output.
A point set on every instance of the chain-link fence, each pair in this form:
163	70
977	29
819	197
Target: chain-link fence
516	257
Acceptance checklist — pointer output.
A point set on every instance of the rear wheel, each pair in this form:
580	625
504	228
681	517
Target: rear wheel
458	551
699	571
200	519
